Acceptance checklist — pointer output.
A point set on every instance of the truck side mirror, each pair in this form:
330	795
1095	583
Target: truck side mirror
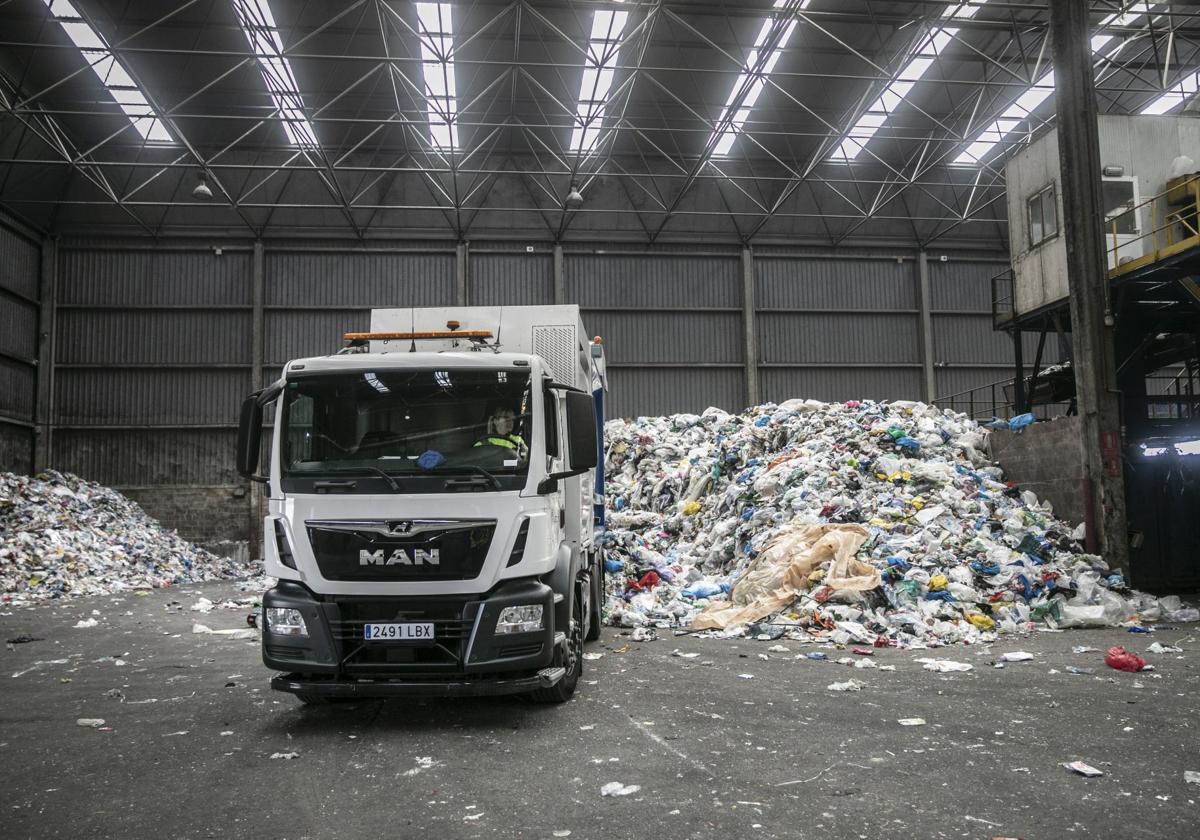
581	431
249	438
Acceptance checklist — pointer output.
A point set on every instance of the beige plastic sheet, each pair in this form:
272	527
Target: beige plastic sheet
774	578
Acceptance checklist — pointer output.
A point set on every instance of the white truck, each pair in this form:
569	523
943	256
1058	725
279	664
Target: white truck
435	493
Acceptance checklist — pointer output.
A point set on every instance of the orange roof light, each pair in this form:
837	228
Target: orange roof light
452	325
478	335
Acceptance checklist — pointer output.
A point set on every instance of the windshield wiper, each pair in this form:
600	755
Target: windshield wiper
475	468
391	482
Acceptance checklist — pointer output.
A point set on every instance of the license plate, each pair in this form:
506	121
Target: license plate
398	632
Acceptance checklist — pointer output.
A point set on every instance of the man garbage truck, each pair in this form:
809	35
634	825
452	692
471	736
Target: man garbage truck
435	493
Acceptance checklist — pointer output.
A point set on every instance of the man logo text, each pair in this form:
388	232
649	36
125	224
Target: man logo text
399	557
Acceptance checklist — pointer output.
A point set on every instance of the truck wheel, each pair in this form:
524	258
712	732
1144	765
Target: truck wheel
561	691
596	618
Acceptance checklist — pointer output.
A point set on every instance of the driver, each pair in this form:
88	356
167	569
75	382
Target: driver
500	433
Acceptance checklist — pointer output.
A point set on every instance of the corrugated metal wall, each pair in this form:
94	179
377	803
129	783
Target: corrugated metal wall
158	337
152	353
20	260
312	297
155	340
968	353
671	324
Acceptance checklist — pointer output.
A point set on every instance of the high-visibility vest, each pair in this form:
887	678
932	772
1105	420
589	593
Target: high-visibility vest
512	442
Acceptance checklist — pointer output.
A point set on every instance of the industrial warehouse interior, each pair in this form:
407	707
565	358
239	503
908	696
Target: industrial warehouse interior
600	419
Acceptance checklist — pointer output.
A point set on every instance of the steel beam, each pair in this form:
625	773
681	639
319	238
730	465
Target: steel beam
1092	319
749	331
43	440
925	308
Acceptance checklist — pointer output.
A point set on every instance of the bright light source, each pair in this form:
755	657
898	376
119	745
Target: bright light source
259	25
1014	116
724	142
923	57
285	621
599	70
527	619
112	73
436	29
1176	96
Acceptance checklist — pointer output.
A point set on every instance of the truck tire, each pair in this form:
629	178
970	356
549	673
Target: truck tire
562	691
596	618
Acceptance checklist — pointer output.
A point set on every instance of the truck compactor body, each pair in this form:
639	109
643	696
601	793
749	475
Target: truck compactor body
435	494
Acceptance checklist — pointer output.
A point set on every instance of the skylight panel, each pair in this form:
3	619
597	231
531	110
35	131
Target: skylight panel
259	25
1176	96
436	28
738	119
1015	115
923	58
599	71
112	73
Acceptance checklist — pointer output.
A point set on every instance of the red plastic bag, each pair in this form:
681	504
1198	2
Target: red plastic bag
1123	660
648	581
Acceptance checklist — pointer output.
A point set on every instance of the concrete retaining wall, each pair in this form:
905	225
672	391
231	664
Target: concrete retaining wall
1046	458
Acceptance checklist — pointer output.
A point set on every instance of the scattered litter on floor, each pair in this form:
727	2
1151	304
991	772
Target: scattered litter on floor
1122	660
232	633
1016	656
944	666
1083	769
39	665
24	639
92	723
1159	647
858	523
85	623
62	536
1191	777
848	685
618	789
286	756
911	721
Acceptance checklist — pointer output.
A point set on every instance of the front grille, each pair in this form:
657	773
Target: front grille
401	551
451	632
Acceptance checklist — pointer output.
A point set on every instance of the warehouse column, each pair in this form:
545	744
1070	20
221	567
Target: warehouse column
462	256
1018	340
929	379
750	347
43	417
258	295
560	282
1087	277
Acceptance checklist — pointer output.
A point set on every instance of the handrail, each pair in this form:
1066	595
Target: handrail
1163	236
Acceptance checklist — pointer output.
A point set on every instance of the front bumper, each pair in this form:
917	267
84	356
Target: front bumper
355	689
465	658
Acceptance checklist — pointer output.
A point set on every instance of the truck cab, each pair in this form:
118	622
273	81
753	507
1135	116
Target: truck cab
434	501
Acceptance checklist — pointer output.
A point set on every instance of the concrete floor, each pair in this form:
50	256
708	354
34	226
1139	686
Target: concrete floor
191	727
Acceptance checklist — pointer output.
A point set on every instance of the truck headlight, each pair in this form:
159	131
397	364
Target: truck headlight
525	619
284	621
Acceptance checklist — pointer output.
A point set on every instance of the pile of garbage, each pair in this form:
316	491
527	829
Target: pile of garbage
861	522
63	536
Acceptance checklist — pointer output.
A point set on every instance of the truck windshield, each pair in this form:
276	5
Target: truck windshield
409	424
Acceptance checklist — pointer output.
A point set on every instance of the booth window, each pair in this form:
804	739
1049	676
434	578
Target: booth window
1042	210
